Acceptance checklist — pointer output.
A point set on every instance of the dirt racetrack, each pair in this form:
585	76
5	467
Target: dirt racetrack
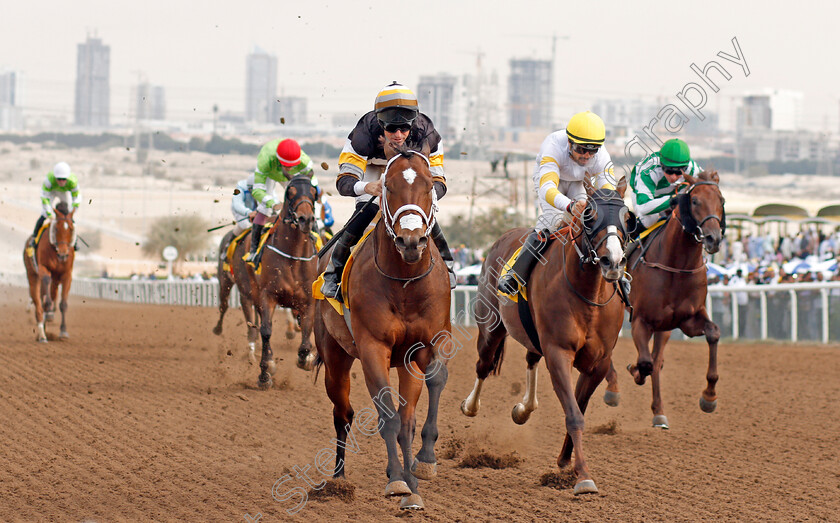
143	414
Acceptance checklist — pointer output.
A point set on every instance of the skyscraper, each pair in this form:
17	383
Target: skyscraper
93	92
529	93
10	113
435	94
261	88
151	103
292	109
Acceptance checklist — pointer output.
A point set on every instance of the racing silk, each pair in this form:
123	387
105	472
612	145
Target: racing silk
243	200
269	171
365	146
651	190
51	189
558	179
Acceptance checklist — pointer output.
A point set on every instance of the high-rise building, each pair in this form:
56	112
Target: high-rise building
771	109
291	110
436	94
151	102
530	86
93	92
261	88
10	112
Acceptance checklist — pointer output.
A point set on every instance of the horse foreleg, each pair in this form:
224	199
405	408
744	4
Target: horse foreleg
267	365
644	364
612	396
337	365
410	388
375	358
66	280
225	285
35	295
659	341
425	463
586	385
306	356
701	324
50	296
290	323
559	363
522	411
491	348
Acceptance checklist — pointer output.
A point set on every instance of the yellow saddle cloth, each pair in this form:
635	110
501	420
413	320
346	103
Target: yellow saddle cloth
505	269
30	251
345	278
232	248
652	228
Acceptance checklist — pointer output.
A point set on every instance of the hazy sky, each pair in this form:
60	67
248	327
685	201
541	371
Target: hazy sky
339	54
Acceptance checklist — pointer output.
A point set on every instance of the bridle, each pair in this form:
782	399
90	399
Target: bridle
304	196
689	224
389	218
67	220
612	212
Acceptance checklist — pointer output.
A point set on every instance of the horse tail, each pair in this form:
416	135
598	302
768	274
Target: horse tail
498	356
318	363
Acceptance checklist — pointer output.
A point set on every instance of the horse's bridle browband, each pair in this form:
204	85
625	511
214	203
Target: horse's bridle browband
389	219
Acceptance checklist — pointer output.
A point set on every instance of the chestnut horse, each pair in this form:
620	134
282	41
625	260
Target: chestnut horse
669	289
288	268
399	317
576	313
54	255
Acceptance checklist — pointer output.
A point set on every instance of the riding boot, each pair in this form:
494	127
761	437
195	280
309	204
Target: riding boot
38	225
256	233
625	286
518	275
445	253
332	274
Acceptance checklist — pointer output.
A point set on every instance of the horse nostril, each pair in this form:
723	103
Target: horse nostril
400	242
422	242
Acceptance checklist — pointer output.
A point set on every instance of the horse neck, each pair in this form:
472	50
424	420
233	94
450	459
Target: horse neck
586	279
288	239
389	260
677	248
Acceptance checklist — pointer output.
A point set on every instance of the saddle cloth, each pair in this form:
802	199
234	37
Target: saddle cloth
563	231
226	266
345	277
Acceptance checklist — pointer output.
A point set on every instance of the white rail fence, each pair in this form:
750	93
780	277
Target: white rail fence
793	312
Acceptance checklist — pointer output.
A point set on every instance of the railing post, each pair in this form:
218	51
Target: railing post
824	298
794	316
763	301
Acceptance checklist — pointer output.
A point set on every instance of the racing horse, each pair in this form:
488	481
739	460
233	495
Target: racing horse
287	270
237	275
669	289
399	301
54	267
572	316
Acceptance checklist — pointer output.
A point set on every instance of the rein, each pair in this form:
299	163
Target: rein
569	283
290	219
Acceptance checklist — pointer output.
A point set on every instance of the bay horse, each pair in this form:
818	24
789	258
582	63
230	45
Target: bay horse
575	316
399	301
54	267
288	268
237	275
669	289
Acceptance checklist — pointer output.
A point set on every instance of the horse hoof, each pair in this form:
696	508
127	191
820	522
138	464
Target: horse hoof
42	340
397	488
307	363
520	414
290	335
707	406
645	368
217	330
64	334
422	470
412	502
660	422
467	412
265	384
272	367
49	316
612	398
586	486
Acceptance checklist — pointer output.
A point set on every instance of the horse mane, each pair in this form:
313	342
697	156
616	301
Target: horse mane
708	175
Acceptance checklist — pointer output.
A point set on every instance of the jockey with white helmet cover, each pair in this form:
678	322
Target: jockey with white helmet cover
60	184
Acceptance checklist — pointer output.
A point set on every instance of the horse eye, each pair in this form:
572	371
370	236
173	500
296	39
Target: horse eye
694	201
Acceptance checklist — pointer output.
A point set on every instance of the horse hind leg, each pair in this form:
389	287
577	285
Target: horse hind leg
35	295
306	319
411	385
425	462
337	382
522	411
49	297
701	324
491	348
290	324
225	286
612	396
644	364
267	365
659	340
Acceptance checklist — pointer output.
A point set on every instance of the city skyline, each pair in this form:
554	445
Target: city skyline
620	52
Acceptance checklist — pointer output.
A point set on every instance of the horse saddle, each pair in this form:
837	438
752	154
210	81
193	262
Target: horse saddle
650	232
232	248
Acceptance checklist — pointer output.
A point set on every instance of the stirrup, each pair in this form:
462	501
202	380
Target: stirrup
508	284
331	289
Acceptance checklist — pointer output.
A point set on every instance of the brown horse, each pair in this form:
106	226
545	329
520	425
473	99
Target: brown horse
669	289
237	275
288	268
54	255
399	317
575	312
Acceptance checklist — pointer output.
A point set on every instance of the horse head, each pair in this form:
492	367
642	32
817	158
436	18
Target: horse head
63	231
701	210
407	187
604	231
299	204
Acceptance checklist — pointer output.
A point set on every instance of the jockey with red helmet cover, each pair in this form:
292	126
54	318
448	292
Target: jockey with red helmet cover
396	119
278	161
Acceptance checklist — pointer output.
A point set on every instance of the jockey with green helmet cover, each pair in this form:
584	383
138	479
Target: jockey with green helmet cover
278	161
566	158
60	184
655	179
396	119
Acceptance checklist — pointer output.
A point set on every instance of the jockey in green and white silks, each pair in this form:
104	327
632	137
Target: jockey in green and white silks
655	179
60	184
278	161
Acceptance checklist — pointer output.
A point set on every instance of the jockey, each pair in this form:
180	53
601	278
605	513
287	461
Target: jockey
324	213
61	184
396	119
278	161
565	159
243	206
656	179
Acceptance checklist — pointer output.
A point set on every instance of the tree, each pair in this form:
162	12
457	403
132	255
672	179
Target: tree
187	233
486	228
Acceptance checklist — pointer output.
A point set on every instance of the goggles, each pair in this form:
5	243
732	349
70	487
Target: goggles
585	148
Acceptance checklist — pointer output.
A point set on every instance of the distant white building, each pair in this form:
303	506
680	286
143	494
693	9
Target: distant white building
93	88
436	96
771	109
291	110
530	88
261	87
151	102
11	116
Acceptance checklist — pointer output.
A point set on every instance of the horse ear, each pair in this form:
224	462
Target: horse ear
390	150
587	184
621	187
690	179
713	176
426	150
